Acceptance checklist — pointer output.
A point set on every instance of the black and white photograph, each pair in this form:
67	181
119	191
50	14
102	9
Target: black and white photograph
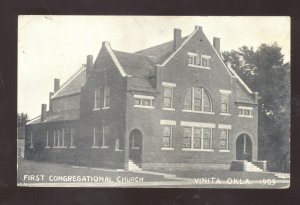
154	101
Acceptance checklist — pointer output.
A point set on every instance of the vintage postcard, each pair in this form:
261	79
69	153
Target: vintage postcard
154	101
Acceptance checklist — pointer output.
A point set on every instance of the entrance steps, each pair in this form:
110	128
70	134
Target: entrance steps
250	167
133	166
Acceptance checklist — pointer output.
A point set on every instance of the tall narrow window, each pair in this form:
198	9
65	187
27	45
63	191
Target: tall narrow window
96	137
224	139
63	138
224	103
188	100
187	137
197	138
31	140
97	98
105	134
106	97
168	97
167	136
54	138
47	139
197	99
207	138
72	138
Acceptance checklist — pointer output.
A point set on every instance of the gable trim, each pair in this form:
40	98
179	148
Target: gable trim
115	60
33	120
231	71
68	82
180	47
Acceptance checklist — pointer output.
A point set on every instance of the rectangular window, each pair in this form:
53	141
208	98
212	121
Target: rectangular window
245	111
224	139
206	138
106	96
47	139
143	101
105	134
224	103
198	60
96	135
31	140
197	138
72	138
188	100
168	97
187	137
167	136
97	98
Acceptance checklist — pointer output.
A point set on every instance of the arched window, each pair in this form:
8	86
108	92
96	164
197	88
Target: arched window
197	99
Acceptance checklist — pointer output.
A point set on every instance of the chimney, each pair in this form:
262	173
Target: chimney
44	112
50	102
177	38
56	84
89	64
216	44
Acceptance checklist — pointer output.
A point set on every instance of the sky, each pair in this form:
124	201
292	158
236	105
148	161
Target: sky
56	46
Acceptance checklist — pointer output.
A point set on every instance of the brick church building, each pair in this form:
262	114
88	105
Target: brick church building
172	106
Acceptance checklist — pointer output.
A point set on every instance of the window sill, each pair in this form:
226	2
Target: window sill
95	147
245	116
95	109
135	148
170	109
201	112
224	150
197	150
47	147
72	147
198	66
59	147
105	108
140	106
119	150
104	147
167	148
31	147
225	114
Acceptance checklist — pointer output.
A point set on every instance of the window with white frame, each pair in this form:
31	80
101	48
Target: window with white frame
97	98
105	134
224	102
96	136
106	97
197	99
72	138
168	97
224	139
47	139
167	136
245	111
143	101
197	138
59	138
199	60
31	140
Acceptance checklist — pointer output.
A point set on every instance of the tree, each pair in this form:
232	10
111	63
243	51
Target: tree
263	71
22	119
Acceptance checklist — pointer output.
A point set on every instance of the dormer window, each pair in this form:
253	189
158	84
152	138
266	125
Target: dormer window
198	60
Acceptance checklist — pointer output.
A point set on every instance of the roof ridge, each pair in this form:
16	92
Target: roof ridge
134	53
68	81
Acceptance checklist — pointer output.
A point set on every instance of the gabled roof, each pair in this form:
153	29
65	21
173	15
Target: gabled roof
72	85
160	52
135	64
57	116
